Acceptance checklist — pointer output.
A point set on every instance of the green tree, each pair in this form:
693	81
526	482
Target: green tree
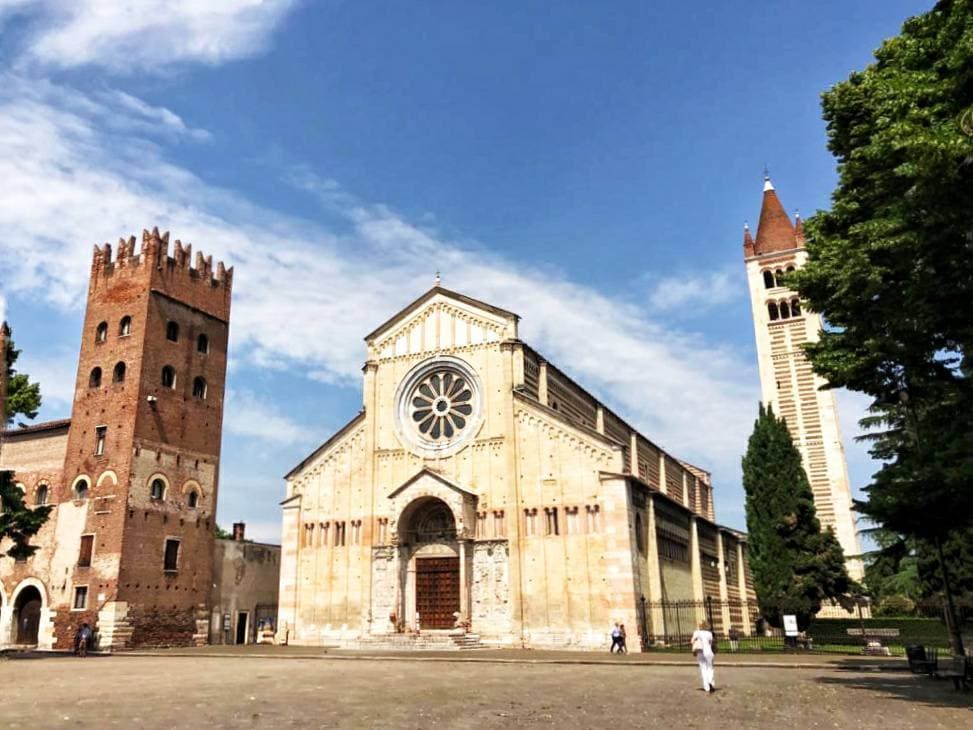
795	564
893	568
23	396
891	269
18	521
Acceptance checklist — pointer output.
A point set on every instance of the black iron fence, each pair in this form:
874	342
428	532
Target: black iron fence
741	627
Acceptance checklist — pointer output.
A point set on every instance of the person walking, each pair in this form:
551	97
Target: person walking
622	646
84	639
704	650
616	639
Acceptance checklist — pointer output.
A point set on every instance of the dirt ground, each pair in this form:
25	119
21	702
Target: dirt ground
267	691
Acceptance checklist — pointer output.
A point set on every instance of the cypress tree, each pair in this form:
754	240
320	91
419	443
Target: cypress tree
795	565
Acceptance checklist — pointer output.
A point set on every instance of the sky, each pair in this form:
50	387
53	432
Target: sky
589	166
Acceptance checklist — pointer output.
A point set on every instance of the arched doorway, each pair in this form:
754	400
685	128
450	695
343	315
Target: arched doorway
430	534
27	615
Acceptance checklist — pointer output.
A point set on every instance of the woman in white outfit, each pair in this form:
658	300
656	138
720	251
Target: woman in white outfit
703	650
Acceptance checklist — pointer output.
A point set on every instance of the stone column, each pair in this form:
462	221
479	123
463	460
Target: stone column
742	587
633	455
656	618
600	419
724	591
542	382
697	569
663	486
464	591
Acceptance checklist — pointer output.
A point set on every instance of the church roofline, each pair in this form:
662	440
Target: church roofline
37	428
415	304
314	454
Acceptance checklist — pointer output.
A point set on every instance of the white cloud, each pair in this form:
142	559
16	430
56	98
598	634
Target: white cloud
252	417
305	294
695	293
148	34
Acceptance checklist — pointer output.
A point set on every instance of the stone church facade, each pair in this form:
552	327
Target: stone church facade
133	474
781	326
480	491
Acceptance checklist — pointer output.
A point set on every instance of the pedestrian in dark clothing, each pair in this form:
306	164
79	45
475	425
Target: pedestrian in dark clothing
616	639
622	636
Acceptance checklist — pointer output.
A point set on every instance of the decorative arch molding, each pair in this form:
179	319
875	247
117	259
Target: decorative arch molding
74	485
165	480
191	484
107	476
3	596
27	583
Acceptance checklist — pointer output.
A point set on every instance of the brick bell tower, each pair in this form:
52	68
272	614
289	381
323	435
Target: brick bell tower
143	451
782	325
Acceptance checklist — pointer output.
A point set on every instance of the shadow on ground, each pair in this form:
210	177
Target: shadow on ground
918	688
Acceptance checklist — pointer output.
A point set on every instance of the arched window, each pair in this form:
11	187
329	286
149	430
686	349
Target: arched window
168	377
796	308
202	344
768	280
81	487
779	277
193	499
118	374
158	489
785	311
772	311
790	269
172	332
94	380
199	388
125	326
101	334
40	497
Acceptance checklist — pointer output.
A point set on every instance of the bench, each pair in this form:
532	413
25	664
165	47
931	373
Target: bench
955	668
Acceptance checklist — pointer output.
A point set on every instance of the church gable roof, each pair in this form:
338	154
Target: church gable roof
433	475
438	291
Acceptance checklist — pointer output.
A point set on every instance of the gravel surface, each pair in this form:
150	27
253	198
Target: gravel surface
263	691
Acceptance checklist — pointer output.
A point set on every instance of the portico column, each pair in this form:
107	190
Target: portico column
697	569
724	591
464	591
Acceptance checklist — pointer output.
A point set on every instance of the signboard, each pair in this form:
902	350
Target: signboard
790	625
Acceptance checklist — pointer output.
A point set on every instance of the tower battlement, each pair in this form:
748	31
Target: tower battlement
207	287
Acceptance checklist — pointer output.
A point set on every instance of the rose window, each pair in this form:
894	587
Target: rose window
439	406
441	403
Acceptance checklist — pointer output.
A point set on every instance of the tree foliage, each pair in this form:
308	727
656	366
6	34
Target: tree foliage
891	269
18	522
23	396
795	565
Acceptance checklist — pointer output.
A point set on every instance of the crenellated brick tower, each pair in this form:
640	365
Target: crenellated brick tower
138	493
782	325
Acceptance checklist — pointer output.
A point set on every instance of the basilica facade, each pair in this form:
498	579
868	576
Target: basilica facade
481	493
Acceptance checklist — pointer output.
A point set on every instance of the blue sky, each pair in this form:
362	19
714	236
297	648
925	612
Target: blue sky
588	165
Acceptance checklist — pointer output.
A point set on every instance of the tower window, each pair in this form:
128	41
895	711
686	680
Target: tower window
199	388
80	598
40	498
779	277
171	560
84	554
118	374
94	380
125	326
81	488
773	311
101	334
202	344
101	432
158	489
796	308
551	526
168	377
785	311
172	332
768	280
193	499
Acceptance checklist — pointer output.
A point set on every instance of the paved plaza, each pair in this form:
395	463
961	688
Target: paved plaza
304	690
